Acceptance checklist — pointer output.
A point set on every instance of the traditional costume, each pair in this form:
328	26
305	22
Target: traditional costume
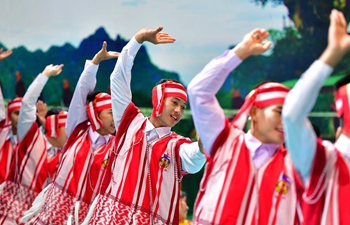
31	169
142	183
245	181
84	157
8	141
323	166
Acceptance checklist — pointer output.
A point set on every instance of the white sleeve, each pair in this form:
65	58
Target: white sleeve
299	134
27	113
77	108
208	116
120	80
2	107
192	159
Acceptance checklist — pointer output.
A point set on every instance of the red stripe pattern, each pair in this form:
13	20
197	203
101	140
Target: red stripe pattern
102	101
165	90
29	174
142	185
233	191
7	150
77	180
264	95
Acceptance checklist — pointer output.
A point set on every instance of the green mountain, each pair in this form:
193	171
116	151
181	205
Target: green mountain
30	64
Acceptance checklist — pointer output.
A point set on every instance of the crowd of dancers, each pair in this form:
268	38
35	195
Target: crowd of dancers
104	162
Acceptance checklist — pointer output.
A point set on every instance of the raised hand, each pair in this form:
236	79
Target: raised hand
52	70
103	54
253	43
41	110
4	55
154	36
338	40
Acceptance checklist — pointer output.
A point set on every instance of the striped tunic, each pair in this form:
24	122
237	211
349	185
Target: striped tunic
327	199
144	181
233	191
7	150
29	174
77	180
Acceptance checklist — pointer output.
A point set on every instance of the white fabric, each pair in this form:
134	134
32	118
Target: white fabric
27	115
86	84
121	98
299	133
204	105
2	107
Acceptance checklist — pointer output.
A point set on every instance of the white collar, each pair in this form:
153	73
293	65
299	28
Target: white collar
94	136
161	131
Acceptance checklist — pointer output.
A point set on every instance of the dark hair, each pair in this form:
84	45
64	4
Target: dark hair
341	82
91	96
183	194
317	130
53	111
165	80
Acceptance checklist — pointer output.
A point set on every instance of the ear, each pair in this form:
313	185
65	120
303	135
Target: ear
253	113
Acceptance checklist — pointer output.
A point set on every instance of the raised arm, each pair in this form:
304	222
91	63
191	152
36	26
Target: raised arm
4	54
27	114
208	116
300	136
121	75
86	84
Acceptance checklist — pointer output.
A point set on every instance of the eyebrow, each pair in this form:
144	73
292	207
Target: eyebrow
279	107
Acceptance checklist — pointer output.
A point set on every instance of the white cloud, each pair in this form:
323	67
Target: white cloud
203	29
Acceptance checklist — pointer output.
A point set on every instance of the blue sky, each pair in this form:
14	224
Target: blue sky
203	29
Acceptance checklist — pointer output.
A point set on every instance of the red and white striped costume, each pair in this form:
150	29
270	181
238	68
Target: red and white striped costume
29	174
327	202
141	188
233	191
77	179
80	172
7	147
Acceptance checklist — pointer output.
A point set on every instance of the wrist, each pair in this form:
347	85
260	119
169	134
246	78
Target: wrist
96	60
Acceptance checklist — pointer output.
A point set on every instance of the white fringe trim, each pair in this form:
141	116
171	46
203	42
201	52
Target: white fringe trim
76	212
36	205
69	221
91	211
2	186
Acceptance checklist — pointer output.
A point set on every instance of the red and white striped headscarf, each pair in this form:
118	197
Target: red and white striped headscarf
54	122
102	101
14	104
264	95
342	104
165	90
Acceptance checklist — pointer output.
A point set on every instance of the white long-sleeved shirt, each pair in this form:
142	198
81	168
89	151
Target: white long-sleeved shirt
299	133
208	116
27	115
2	107
192	160
77	113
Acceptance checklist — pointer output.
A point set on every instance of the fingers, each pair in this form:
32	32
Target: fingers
165	38
159	29
337	18
259	34
104	46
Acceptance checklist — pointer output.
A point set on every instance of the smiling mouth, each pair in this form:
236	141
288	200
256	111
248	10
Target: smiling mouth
174	117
